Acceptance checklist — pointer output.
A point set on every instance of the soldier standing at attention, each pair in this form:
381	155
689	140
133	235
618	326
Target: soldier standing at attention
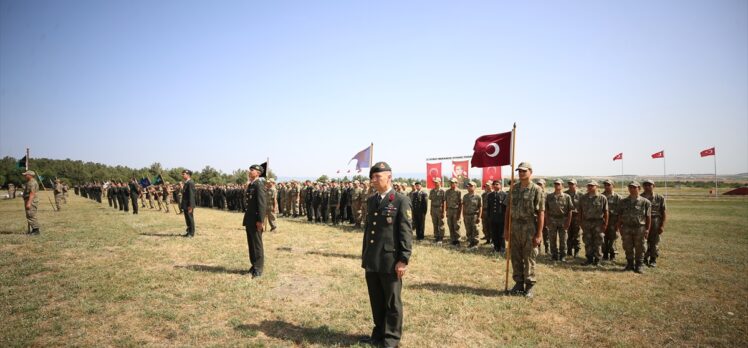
494	215
593	210
31	201
659	216
256	210
188	202
58	194
177	196
309	200
438	208
634	222
484	215
165	194
558	210
471	208
611	233
134	193
272	203
356	204
385	255
125	194
453	198
572	242
527	214
334	203
418	199
546	242
295	199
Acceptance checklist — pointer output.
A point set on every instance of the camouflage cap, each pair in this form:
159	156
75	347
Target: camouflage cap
271	180
635	183
607	182
356	182
471	183
592	183
453	180
648	182
524	166
488	183
436	180
572	181
541	182
29	172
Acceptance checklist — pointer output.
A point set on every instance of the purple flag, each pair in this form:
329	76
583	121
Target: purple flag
362	158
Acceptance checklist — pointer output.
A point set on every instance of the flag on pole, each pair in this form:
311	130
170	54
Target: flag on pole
433	170
144	182
492	150
708	152
660	154
21	163
264	170
362	158
618	157
158	180
491	173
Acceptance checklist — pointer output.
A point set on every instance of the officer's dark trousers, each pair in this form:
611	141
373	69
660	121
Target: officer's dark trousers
126	203
134	200
386	307
121	202
419	221
334	215
497	235
189	219
256	251
309	211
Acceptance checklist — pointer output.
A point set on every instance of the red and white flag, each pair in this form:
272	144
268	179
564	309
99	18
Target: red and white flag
708	152
491	173
433	170
660	154
492	150
618	157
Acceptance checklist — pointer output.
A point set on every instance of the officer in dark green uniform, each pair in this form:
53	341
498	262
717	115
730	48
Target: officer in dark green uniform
386	251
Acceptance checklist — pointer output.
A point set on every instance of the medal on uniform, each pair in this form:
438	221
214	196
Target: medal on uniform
389	220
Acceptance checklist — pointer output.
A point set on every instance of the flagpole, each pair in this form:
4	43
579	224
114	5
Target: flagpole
371	155
623	180
716	194
664	171
267	177
509	213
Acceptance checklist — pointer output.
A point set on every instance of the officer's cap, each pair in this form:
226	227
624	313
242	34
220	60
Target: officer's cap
417	183
648	182
592	183
635	183
572	181
256	167
187	171
524	166
378	168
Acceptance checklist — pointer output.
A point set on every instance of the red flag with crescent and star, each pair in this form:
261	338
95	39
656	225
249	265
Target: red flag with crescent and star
492	150
433	170
618	157
708	152
491	173
660	154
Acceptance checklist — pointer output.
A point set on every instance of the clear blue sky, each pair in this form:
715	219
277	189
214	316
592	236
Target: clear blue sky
310	83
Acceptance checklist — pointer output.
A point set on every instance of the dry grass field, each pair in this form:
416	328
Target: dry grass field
100	277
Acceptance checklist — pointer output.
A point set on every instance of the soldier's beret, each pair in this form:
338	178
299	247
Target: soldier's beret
559	181
453	180
379	167
572	181
634	183
256	167
524	166
541	181
436	180
648	182
592	183
607	182
187	171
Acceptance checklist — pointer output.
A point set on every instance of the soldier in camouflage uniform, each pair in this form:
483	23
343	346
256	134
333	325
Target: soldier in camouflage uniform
453	197
546	239
366	192
438	208
593	212
11	191
308	194
471	209
150	193
611	233
58	194
317	202
325	203
558	210
659	216
176	194
356	194
294	199
271	196
527	214
31	201
166	195
634	222
572	241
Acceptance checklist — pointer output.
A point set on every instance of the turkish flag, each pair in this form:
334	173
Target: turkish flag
460	170
492	150
708	152
491	173
618	157
433	170
660	154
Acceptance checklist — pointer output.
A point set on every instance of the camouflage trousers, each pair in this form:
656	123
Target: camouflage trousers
633	242
574	232
653	240
557	235
65	197
166	204
471	228
523	252
271	218
593	238
486	231
295	207
31	215
356	207
58	200
437	219
453	222
609	242
150	201
160	205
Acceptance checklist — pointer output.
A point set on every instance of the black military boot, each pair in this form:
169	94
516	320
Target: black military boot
35	232
588	262
576	252
612	257
653	262
554	257
605	256
547	249
518	289
629	265
528	290
638	268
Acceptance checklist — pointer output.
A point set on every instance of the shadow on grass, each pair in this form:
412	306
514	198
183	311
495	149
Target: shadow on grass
299	335
457	289
161	235
13	232
575	264
326	254
212	269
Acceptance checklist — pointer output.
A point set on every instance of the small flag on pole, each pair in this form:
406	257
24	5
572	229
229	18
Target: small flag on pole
660	154
21	162
618	157
362	158
492	150
708	152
